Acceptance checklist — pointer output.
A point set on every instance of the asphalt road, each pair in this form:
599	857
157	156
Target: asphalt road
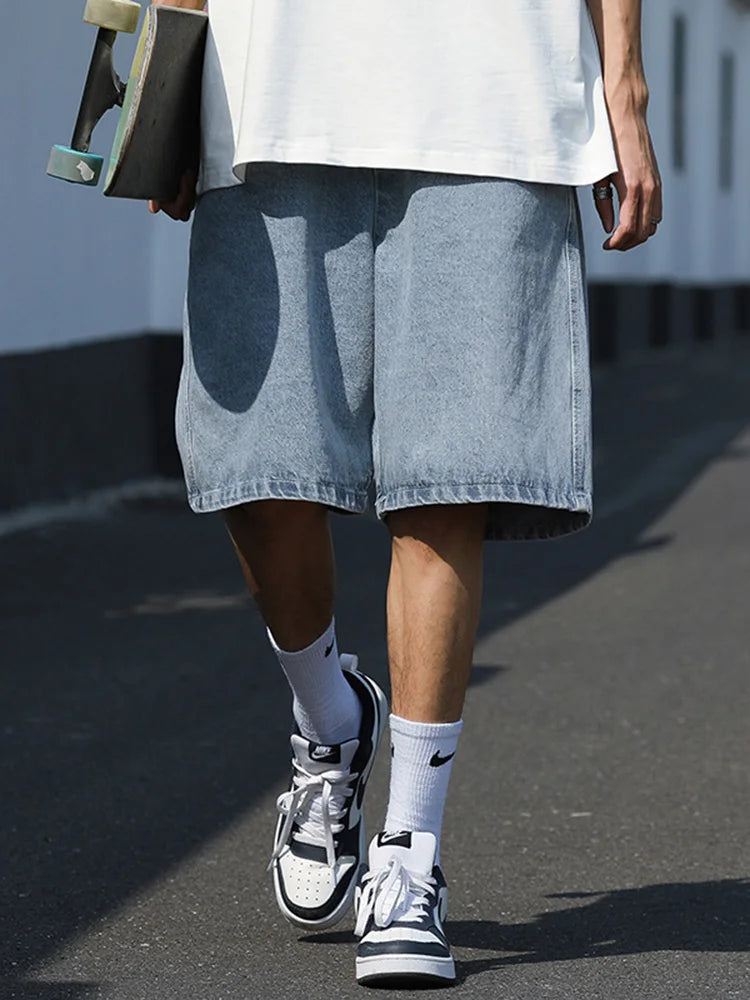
597	839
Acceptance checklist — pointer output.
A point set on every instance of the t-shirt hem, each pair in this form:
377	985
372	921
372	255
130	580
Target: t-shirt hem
483	163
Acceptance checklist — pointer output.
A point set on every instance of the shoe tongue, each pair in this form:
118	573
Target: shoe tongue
318	757
415	851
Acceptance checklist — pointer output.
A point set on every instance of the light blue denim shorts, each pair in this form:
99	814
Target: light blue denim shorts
375	338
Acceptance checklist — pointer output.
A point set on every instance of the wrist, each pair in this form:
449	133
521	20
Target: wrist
626	93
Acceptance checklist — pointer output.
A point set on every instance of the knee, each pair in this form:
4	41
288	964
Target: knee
270	518
434	533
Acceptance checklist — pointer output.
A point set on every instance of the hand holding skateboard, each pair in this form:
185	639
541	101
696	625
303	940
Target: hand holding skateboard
157	142
180	208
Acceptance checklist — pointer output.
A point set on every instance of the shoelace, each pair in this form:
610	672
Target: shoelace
392	892
317	803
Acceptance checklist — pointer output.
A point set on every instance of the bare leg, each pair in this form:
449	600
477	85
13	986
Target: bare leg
285	550
434	595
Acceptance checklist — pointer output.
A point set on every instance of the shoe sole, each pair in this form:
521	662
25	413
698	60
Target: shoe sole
405	968
323	923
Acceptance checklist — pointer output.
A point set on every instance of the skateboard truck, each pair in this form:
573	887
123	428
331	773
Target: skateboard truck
157	139
103	90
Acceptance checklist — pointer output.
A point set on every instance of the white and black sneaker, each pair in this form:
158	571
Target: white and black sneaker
401	905
319	845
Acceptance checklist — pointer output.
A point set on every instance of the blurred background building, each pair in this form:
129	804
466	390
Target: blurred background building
91	289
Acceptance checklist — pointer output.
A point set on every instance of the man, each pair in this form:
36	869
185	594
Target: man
386	302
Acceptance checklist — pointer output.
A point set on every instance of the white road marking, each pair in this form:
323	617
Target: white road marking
93	504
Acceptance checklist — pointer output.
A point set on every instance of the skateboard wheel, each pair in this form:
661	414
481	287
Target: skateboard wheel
74	166
117	15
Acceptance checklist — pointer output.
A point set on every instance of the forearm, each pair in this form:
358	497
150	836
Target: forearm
617	24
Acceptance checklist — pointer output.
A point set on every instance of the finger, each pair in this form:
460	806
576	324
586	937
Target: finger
656	212
187	209
658	206
179	208
189	181
605	206
606	212
183	208
175	208
658	200
186	203
168	207
650	215
182	205
625	235
182	213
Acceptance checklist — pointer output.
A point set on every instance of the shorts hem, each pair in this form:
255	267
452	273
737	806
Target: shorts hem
519	512
351	500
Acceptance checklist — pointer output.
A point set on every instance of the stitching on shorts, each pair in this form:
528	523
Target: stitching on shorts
188	364
536	484
542	489
574	440
286	483
347	498
375	199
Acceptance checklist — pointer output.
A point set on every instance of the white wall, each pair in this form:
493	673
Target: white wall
705	236
74	265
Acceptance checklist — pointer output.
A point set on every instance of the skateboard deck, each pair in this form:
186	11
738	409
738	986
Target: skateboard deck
158	133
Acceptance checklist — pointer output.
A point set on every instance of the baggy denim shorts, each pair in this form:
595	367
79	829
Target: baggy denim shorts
376	338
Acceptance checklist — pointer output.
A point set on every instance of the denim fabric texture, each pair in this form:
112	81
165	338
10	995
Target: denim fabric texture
376	338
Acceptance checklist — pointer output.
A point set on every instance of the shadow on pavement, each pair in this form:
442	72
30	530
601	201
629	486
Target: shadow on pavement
683	916
142	714
690	916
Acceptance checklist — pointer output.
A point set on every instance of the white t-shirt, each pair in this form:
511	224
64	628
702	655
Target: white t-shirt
502	88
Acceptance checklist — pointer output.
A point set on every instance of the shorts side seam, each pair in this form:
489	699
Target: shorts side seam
187	375
574	443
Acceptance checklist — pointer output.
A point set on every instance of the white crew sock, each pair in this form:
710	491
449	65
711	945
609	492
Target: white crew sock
421	764
325	707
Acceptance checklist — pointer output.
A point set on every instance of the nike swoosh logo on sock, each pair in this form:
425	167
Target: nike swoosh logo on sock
436	760
329	650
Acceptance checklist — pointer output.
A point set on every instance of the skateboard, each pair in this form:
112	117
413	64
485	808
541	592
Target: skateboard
158	133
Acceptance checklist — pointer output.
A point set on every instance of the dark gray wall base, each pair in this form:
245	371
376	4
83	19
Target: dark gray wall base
85	417
630	319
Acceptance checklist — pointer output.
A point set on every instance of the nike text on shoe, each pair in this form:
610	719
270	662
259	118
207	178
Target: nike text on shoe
319	845
401	905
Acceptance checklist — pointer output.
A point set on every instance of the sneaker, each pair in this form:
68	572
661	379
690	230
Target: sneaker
401	905
319	845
